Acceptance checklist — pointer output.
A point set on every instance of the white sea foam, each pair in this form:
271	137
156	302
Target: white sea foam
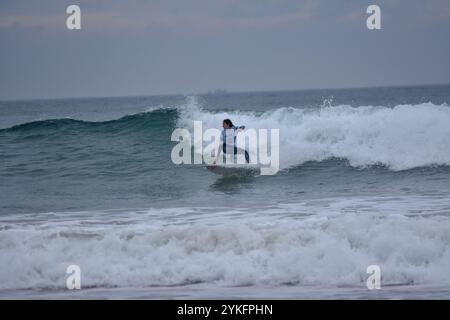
403	137
274	246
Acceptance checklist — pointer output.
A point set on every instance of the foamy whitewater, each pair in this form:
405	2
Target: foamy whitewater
362	182
402	137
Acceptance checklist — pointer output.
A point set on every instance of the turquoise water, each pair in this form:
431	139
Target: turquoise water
364	178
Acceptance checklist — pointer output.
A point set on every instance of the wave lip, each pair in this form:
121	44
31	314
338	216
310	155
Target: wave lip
153	117
400	138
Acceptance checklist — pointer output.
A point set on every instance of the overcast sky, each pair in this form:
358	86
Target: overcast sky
138	47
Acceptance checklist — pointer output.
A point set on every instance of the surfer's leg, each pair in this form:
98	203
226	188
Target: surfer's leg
247	157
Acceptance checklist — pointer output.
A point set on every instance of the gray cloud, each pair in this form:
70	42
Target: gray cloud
153	47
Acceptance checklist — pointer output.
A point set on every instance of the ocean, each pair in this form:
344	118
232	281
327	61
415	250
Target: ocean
364	180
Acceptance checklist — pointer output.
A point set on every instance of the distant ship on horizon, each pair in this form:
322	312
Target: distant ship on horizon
217	91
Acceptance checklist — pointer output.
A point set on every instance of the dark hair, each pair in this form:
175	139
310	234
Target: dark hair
229	123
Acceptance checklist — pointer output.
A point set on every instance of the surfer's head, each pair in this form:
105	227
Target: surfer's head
227	124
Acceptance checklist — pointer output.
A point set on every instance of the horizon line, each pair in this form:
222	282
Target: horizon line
222	92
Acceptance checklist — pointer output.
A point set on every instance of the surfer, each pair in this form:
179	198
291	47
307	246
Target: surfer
228	139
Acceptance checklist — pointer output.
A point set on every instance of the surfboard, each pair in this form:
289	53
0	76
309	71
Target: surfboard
232	170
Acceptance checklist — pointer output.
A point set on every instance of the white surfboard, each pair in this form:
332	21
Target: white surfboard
233	170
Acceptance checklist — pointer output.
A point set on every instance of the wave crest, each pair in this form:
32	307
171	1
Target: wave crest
400	138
